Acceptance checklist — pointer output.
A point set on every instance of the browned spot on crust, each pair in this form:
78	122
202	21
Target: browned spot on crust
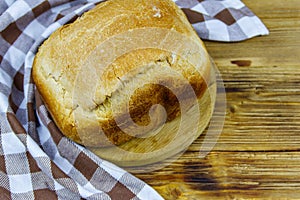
140	105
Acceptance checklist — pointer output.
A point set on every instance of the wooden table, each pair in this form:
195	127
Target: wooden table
258	153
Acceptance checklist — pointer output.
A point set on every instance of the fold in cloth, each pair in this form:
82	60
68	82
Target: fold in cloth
36	160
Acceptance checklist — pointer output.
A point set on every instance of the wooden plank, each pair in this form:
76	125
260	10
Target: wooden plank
230	175
263	109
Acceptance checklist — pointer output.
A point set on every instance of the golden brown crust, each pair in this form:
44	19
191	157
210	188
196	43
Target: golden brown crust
63	54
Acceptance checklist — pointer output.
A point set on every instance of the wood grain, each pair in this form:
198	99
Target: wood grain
258	153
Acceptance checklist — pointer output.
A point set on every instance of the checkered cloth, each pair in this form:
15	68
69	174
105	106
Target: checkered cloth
36	161
226	21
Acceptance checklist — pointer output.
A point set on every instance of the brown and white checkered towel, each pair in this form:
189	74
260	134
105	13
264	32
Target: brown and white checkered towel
36	161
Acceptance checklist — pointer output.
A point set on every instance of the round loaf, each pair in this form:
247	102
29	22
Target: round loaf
63	72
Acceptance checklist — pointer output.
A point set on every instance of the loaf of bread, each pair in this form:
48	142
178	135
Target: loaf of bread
84	95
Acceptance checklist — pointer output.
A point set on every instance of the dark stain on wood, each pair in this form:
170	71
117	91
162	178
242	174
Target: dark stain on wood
242	63
197	179
201	183
232	109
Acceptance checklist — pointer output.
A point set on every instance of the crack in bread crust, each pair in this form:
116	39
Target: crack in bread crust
144	98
